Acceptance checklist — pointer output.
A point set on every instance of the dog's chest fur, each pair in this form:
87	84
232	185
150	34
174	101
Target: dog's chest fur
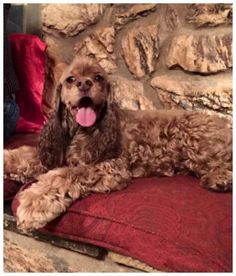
80	150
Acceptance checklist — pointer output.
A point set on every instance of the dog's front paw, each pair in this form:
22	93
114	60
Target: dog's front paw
36	208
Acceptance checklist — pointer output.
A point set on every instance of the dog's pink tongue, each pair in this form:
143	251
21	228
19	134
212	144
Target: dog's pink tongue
85	116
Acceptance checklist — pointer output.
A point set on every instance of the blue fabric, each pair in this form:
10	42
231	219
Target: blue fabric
11	116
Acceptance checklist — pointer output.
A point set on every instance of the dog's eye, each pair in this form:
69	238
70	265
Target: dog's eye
70	79
99	78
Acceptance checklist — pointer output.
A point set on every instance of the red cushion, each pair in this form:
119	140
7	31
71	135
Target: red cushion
11	187
169	223
28	55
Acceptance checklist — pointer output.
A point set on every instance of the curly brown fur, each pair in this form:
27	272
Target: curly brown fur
73	160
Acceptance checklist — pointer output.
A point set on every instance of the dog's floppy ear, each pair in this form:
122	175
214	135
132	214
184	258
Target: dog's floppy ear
111	97
53	138
57	97
57	72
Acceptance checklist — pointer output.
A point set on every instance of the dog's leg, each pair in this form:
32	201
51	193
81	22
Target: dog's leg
213	166
219	180
215	172
57	189
207	151
22	164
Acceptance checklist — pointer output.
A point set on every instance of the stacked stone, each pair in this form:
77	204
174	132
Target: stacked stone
157	55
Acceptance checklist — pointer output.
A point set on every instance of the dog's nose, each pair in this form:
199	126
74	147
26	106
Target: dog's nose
84	84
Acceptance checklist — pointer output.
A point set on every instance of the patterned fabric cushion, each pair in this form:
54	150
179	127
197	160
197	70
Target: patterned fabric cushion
11	187
169	223
28	55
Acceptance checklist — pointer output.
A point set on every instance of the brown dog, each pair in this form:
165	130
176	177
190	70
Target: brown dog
90	145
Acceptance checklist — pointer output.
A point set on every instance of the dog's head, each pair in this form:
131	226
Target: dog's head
84	90
83	99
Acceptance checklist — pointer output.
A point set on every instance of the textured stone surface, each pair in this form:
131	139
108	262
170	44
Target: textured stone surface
53	49
24	254
69	19
202	53
124	13
99	45
210	14
195	92
141	49
171	18
131	262
17	259
134	42
106	36
129	94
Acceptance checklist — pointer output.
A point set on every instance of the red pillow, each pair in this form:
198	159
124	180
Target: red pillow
170	223
28	55
11	187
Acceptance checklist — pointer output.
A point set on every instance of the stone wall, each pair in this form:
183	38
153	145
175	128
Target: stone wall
157	55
